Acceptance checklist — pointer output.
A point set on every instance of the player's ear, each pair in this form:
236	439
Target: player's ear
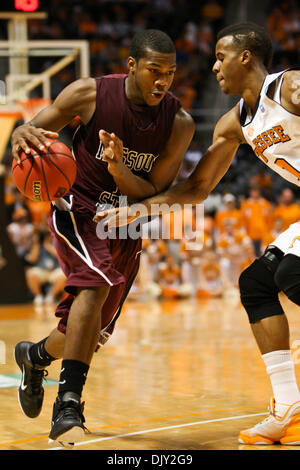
246	57
131	62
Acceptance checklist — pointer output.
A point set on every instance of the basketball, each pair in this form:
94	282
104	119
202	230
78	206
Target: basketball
45	176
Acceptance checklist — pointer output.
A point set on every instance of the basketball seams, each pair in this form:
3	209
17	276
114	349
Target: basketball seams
59	169
37	155
64	154
59	152
24	160
45	179
28	172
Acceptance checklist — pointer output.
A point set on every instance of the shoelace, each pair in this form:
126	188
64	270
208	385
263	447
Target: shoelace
37	376
71	410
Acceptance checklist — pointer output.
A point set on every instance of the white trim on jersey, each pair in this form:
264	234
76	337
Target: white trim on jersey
86	259
99	151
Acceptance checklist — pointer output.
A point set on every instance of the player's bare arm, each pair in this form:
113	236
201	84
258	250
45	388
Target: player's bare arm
164	170
77	99
195	189
290	91
210	169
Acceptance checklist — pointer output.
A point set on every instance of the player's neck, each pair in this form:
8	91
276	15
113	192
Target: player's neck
253	85
131	92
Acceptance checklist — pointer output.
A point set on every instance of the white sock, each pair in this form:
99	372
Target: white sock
281	370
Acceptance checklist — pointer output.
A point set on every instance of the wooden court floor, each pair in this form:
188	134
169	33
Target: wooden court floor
176	375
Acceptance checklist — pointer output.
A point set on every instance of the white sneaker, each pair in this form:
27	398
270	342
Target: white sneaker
38	300
283	430
49	299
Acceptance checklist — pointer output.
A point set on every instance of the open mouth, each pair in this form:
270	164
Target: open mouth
157	94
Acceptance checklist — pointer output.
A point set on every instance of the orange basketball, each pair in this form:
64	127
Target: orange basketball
45	176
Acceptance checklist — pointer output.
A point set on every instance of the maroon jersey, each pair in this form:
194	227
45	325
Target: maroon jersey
144	131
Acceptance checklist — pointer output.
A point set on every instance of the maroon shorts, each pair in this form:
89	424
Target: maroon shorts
88	261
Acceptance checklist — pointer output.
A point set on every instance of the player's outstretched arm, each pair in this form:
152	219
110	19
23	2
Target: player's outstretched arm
195	189
211	167
77	99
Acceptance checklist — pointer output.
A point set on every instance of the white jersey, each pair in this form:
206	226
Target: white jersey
273	132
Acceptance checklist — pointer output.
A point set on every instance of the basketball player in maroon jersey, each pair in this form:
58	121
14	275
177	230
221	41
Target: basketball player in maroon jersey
135	118
267	118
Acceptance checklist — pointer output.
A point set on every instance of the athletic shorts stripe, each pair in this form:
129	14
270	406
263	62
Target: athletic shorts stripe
126	292
65	226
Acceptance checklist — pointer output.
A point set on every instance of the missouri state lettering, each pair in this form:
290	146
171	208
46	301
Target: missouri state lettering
138	161
268	138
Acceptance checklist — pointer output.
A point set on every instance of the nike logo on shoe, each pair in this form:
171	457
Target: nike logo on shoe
23	387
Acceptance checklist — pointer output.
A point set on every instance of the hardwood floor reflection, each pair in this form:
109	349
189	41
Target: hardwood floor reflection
174	375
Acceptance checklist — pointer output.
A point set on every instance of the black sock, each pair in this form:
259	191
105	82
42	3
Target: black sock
39	355
72	376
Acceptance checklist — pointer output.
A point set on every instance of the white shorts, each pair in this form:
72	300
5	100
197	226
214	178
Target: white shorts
289	240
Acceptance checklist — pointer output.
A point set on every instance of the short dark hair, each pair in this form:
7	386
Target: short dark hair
152	39
253	37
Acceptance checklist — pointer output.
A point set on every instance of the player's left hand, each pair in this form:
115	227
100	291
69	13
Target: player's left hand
117	217
112	153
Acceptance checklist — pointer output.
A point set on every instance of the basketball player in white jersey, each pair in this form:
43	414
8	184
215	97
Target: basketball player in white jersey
267	118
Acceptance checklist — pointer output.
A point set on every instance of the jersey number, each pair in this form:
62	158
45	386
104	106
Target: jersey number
286	166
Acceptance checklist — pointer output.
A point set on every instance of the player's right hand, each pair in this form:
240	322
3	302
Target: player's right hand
26	136
116	217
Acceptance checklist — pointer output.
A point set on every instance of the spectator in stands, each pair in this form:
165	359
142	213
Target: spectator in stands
20	231
287	210
284	26
14	201
212	11
191	251
155	251
263	179
145	286
248	256
212	280
257	219
228	212
44	269
172	230
39	212
230	248
270	236
170	280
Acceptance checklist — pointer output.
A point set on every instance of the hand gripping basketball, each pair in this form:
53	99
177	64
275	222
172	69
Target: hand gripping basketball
26	136
45	175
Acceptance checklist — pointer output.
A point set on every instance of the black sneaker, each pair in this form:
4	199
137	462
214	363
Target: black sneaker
31	391
67	420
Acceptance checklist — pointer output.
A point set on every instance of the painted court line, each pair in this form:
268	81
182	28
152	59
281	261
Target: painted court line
164	428
117	425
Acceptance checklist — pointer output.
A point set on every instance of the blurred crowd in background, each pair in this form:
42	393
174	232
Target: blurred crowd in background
186	256
248	208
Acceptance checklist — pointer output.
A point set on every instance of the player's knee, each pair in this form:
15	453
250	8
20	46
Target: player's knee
287	277
93	298
258	291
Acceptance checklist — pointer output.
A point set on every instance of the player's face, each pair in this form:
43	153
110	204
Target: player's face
152	77
228	67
